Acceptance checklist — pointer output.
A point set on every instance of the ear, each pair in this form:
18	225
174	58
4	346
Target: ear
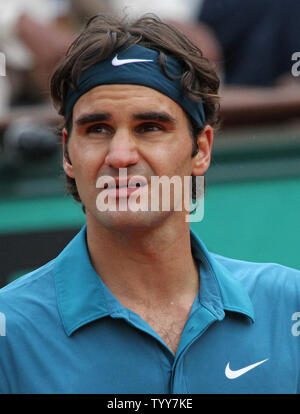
68	167
201	161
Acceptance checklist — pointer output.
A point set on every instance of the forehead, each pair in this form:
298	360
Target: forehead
128	98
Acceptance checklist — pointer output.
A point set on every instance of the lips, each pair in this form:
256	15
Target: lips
123	187
134	182
120	192
126	186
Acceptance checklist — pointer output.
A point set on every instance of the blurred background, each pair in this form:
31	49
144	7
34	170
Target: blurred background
252	200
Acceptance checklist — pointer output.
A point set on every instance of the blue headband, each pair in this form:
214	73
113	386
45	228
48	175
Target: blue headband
137	65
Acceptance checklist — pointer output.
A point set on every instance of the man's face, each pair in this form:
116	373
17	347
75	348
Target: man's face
134	128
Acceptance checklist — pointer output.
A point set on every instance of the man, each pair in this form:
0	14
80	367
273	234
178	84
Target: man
258	40
135	303
259	43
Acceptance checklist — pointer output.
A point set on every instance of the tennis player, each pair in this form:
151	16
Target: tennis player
136	303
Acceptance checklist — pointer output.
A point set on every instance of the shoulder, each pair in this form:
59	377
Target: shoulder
28	314
28	294
28	280
266	279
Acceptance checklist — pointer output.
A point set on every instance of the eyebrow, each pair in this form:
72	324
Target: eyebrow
160	116
93	117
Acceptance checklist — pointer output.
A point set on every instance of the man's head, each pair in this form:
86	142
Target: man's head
105	39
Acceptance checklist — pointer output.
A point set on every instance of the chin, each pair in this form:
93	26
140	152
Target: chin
132	221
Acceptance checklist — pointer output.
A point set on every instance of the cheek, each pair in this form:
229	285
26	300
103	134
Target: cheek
173	153
169	161
86	161
179	159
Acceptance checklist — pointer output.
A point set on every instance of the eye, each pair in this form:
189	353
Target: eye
149	127
99	129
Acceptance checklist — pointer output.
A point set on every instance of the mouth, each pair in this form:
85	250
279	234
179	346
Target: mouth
123	191
136	186
124	188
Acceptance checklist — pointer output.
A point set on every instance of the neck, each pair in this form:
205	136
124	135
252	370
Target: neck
154	266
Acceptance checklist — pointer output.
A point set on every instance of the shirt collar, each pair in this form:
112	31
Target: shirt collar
219	290
82	296
79	290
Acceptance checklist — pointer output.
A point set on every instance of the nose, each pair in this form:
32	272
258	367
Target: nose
122	150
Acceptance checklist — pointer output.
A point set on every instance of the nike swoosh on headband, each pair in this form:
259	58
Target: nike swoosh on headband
232	374
119	62
148	74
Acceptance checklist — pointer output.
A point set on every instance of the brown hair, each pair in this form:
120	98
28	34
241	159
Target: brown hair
103	34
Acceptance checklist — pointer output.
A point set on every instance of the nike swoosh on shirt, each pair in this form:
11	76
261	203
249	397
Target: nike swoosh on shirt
232	374
119	62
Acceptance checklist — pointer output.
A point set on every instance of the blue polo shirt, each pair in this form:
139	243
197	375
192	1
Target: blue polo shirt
66	333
